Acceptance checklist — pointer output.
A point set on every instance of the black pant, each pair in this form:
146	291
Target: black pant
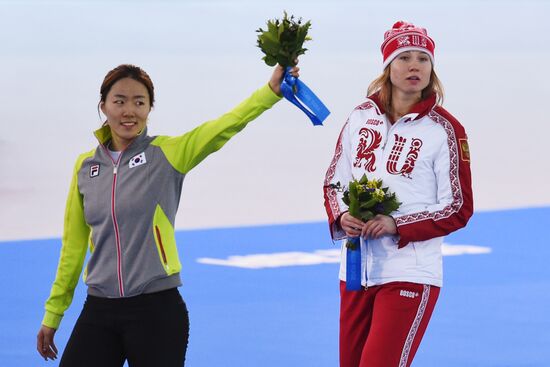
149	330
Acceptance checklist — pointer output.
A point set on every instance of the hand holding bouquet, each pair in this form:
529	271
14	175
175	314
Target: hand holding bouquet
282	43
366	198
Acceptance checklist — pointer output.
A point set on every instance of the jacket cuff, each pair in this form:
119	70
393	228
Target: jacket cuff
401	239
336	230
267	95
51	320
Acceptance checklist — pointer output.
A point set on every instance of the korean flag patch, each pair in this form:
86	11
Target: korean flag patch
137	160
94	170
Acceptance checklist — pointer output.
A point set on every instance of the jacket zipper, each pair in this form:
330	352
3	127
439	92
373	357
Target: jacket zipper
159	239
117	233
115	222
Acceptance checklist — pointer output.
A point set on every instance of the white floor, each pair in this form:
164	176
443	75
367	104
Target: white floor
491	56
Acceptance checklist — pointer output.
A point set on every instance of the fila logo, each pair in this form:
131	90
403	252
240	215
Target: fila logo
94	170
137	160
409	294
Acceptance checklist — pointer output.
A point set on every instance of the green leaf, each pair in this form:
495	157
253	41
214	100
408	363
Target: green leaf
269	60
269	46
367	215
361	202
368	204
283	40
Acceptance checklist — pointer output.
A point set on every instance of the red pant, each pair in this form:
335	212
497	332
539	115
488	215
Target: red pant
383	325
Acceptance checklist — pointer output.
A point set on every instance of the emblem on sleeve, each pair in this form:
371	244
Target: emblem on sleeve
137	160
94	170
464	150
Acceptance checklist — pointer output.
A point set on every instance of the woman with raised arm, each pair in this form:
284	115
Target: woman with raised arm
122	205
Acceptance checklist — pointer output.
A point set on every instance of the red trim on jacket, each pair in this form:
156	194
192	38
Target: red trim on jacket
422	108
425	225
330	194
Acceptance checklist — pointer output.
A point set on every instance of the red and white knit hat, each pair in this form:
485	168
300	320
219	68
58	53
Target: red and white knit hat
406	37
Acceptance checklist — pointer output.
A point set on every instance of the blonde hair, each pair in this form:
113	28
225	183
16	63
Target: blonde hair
383	86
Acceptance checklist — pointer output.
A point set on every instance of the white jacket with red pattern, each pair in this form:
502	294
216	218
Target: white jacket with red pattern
424	158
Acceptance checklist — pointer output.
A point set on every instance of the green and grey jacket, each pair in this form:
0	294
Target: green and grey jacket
124	211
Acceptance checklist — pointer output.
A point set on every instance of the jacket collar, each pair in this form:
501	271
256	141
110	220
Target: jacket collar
422	108
375	98
417	111
103	135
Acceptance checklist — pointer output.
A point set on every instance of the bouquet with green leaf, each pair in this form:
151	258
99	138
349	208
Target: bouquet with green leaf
283	40
366	198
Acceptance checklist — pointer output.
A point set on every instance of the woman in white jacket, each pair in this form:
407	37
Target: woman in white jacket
401	135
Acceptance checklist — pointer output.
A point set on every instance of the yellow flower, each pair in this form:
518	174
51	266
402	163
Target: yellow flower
372	184
379	195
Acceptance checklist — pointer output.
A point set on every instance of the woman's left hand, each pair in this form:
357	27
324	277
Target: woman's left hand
380	225
277	77
45	344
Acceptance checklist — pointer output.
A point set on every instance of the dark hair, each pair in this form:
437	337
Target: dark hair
127	71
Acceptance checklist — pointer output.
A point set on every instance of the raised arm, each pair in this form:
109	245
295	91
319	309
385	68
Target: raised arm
186	151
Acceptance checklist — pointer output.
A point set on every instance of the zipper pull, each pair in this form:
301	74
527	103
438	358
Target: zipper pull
115	169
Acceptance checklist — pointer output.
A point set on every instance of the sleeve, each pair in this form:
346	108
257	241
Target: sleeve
73	252
454	193
339	171
186	151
